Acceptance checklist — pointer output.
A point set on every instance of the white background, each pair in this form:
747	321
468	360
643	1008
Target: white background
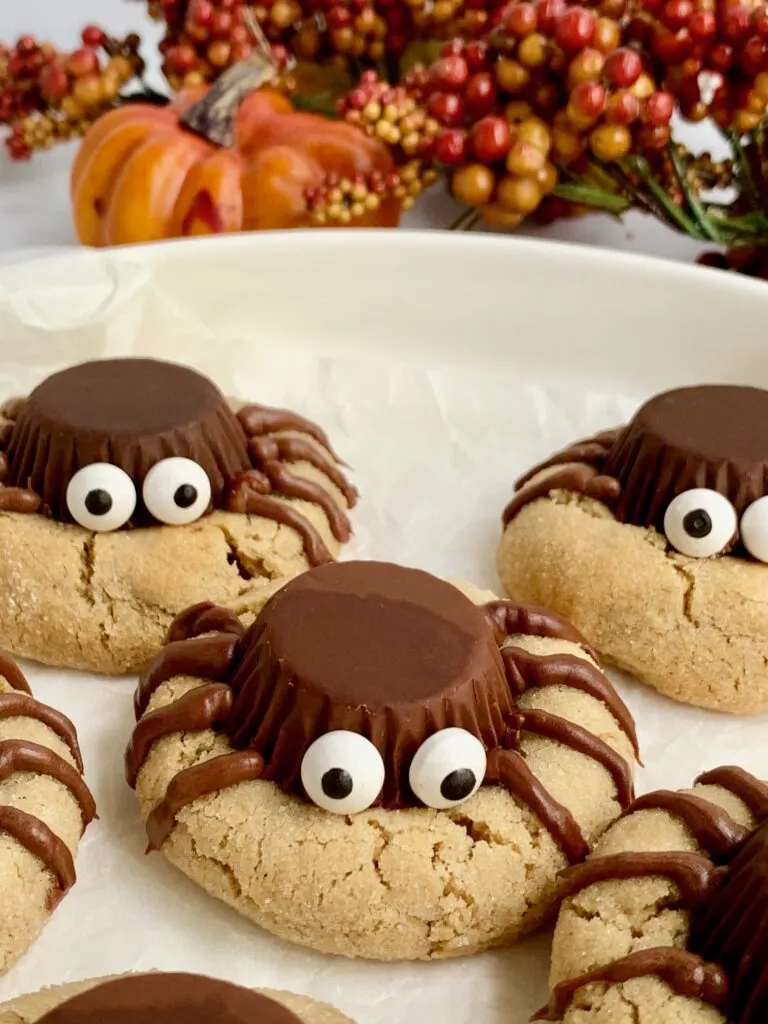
34	201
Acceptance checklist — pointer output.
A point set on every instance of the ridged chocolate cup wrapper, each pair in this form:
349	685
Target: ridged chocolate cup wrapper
131	413
731	929
713	436
393	654
169	999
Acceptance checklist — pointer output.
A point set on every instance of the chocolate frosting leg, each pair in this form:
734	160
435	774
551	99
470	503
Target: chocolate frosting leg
686	974
200	780
510	619
508	768
201	618
202	657
553	727
694	875
169	999
12	674
25	756
712	827
35	836
199	709
527	671
22	705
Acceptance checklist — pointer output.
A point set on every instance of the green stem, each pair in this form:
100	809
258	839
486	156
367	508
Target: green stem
465	221
586	195
694	205
639	166
750	187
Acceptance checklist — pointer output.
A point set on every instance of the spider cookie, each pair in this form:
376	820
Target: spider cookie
667	922
130	489
45	807
379	766
652	539
160	998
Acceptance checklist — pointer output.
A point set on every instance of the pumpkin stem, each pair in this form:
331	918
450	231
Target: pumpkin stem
213	115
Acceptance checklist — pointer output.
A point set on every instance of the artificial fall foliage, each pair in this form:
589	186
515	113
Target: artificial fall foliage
523	108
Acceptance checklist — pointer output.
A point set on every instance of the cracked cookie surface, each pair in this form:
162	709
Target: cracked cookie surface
408	883
29	1009
45	807
103	602
652	538
694	629
662	924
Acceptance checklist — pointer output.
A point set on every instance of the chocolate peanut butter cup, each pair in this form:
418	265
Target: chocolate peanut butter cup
169	999
390	653
128	413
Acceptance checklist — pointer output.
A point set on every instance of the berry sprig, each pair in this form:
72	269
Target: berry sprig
48	96
339	201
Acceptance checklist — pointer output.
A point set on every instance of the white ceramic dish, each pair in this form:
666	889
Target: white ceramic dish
442	366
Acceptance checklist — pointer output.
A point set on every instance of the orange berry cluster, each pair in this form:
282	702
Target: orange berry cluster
47	96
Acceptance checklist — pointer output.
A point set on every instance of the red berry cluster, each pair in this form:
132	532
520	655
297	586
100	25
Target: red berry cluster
713	56
549	85
206	36
47	95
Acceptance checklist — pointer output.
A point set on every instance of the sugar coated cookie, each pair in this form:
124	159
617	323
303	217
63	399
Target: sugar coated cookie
130	489
667	922
379	766
160	998
653	540
45	807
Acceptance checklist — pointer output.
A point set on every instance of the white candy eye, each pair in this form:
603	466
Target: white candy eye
342	772
101	497
700	522
448	768
177	491
754	529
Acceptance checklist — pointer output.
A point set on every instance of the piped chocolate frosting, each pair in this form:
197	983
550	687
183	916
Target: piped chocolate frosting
373	648
19	755
169	999
389	653
713	436
725	889
131	413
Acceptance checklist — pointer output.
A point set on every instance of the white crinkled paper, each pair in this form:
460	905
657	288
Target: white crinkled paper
435	452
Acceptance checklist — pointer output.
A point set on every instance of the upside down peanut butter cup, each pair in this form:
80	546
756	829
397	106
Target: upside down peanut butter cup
391	653
131	413
713	436
169	999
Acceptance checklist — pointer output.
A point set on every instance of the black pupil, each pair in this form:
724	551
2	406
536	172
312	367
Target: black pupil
697	524
337	783
185	496
98	502
458	785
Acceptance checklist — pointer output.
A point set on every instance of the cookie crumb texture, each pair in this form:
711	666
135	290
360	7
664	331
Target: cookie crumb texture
103	602
30	1008
614	918
695	629
384	884
42	816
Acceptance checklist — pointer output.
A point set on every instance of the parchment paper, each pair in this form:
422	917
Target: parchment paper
435	451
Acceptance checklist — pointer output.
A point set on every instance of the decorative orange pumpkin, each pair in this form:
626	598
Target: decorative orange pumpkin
142	174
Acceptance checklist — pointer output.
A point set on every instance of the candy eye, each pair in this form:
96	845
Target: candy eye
177	491
101	497
700	522
754	529
342	772
448	768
